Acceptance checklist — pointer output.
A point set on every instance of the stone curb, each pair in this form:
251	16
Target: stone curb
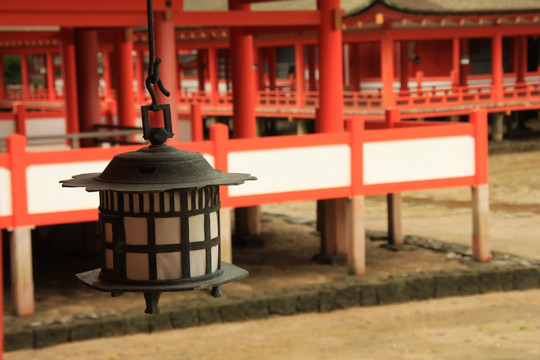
349	292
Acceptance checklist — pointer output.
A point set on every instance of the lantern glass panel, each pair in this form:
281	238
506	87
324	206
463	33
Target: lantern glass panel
197	260
169	266
108	232
196	228
109	259
137	266
167	230
214	225
215	258
136	231
146	203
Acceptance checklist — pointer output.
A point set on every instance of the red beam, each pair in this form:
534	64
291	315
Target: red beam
247	18
124	19
81	6
36	36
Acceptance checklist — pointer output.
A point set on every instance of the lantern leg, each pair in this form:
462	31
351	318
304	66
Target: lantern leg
152	300
216	291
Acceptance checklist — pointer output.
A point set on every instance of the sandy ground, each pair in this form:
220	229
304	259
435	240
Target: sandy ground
494	326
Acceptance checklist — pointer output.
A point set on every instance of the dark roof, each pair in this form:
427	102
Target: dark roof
353	7
462	6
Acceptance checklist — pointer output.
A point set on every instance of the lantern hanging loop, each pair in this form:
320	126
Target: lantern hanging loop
153	62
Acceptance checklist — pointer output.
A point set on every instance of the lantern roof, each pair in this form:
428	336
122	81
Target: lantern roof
156	168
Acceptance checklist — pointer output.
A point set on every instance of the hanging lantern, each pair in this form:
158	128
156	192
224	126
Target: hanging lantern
159	214
159	223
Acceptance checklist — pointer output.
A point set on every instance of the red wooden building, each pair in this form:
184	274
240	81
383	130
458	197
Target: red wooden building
355	78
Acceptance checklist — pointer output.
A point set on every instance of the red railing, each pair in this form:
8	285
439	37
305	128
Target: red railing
299	151
436	98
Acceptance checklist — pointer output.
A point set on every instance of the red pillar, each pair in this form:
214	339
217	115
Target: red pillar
244	89
299	73
244	96
166	50
24	77
354	66
312	85
201	67
107	73
404	65
330	69
141	87
51	94
2	79
87	80
70	82
521	58
496	65
125	102
329	119
213	73
464	67
387	69
272	70
455	62
261	63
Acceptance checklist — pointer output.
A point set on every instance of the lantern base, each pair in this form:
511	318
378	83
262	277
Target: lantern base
230	273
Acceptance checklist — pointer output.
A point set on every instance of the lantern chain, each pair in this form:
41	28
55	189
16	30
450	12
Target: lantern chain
153	62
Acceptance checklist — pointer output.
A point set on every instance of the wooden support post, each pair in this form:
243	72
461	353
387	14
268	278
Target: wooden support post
498	126
395	234
334	230
22	283
247	221
480	209
356	236
226	234
480	192
302	126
